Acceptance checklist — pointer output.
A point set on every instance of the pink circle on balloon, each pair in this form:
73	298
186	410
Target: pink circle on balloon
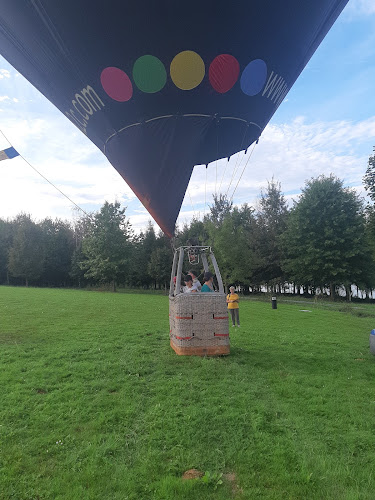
116	84
223	72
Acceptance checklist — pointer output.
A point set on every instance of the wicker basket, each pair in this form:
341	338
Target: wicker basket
199	324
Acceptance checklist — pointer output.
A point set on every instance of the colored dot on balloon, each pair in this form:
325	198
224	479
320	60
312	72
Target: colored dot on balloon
223	72
187	70
253	77
116	84
149	74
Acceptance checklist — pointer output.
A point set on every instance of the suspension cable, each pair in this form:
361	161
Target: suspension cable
243	170
235	167
205	192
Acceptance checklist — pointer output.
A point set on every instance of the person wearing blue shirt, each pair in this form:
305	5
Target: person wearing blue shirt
208	282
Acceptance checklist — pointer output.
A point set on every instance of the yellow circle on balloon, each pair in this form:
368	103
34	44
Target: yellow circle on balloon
187	70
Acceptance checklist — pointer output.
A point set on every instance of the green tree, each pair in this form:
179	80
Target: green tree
59	246
271	218
6	236
369	183
81	230
325	239
107	247
234	245
159	266
196	230
26	256
220	208
369	178
143	245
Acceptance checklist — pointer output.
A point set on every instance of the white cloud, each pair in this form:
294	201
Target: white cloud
140	220
4	73
291	154
4	98
66	158
360	8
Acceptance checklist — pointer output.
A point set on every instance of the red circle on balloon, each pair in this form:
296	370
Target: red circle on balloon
116	84
223	72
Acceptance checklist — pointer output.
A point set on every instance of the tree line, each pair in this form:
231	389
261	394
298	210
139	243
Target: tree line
324	243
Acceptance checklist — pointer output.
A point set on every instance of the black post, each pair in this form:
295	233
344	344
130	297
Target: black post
274	303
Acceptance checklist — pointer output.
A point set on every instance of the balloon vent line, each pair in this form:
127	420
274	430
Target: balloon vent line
45	178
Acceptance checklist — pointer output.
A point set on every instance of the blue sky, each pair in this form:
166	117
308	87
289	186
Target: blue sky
325	125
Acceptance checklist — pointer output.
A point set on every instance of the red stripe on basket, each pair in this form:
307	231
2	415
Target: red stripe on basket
220	317
183	338
221	334
184	317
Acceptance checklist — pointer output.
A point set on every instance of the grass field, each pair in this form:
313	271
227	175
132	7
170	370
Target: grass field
95	405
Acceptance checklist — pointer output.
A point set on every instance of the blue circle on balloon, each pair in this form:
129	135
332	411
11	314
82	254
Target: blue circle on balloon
254	77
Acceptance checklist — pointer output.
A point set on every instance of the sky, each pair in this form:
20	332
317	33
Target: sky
326	125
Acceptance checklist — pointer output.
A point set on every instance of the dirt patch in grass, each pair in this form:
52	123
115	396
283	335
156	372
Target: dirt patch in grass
192	474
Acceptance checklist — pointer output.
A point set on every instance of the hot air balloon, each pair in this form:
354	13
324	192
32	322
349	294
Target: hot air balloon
161	86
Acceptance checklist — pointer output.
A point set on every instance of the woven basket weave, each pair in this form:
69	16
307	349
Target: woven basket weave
199	324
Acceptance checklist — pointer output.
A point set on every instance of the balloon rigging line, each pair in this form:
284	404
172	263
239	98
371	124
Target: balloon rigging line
45	178
191	200
216	180
221	182
217	156
235	167
205	194
251	152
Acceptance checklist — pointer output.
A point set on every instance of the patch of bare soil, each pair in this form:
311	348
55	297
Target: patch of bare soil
192	474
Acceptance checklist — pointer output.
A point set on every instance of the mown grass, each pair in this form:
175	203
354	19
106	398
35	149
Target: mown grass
95	404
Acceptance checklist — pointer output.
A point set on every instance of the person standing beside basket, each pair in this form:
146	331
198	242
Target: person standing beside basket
233	307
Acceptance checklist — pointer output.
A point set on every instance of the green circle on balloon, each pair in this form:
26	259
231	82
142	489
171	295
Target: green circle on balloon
149	74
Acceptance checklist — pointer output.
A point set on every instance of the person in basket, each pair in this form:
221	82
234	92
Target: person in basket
196	283
189	288
208	285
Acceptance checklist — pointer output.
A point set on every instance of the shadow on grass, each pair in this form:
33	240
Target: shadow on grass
308	363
